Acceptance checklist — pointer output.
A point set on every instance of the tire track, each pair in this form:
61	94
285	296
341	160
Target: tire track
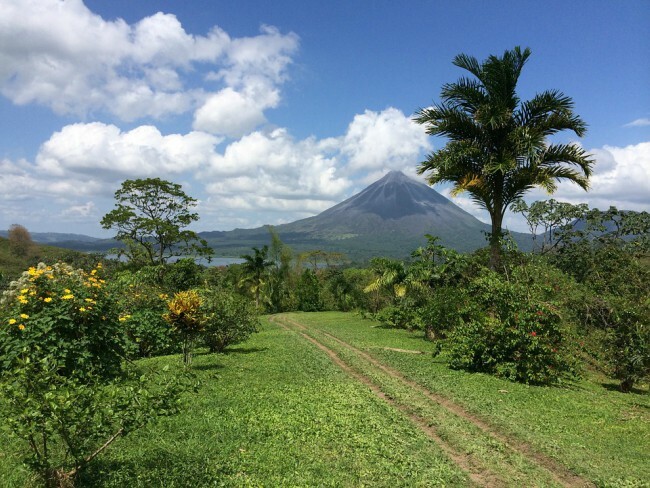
558	472
477	474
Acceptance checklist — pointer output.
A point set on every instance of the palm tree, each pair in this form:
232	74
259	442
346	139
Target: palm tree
255	267
498	148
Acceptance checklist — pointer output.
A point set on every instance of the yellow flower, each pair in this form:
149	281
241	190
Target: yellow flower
69	296
22	299
89	300
31	271
24	290
24	316
66	291
21	327
12	321
124	318
82	309
47	300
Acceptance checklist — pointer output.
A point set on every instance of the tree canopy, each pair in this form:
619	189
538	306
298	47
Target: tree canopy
150	218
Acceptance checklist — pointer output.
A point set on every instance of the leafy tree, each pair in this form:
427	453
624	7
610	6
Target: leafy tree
278	284
309	292
498	149
20	241
150	217
549	218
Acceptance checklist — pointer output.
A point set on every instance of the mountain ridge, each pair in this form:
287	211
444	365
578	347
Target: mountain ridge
389	218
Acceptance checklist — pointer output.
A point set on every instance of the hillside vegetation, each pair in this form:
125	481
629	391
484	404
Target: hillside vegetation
11	264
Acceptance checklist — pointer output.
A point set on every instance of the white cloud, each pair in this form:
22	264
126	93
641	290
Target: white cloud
644	122
229	112
621	178
272	171
100	149
383	140
82	211
62	55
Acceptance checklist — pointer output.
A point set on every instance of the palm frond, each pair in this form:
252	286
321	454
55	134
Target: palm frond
469	63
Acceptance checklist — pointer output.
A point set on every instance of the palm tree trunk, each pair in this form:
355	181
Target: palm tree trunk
495	241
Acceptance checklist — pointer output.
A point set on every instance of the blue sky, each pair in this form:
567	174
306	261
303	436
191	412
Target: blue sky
267	112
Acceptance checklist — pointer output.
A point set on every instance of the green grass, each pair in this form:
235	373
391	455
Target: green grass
276	411
273	412
597	432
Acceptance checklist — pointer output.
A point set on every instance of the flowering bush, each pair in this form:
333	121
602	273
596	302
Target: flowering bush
63	314
62	386
142	304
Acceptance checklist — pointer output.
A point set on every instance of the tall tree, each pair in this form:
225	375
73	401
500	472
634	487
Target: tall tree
255	268
150	217
498	146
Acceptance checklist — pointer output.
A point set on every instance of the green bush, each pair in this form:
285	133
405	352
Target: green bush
510	331
443	311
401	316
63	314
308	292
142	304
63	389
229	318
628	347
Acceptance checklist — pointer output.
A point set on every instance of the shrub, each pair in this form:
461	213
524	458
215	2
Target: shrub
628	349
187	319
509	331
229	319
401	316
142	304
64	391
63	314
442	313
308	292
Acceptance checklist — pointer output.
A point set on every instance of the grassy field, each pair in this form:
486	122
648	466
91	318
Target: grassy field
329	399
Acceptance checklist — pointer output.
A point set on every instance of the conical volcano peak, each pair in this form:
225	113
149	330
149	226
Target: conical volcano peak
392	197
395	176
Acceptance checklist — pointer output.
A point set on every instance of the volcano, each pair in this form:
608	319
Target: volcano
388	218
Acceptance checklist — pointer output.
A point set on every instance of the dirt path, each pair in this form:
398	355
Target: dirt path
468	462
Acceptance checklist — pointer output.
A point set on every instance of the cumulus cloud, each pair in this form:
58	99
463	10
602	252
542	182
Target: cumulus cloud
103	149
229	112
62	55
81	212
383	140
272	171
621	178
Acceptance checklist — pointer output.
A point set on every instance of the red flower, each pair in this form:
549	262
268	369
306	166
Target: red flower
533	333
539	312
